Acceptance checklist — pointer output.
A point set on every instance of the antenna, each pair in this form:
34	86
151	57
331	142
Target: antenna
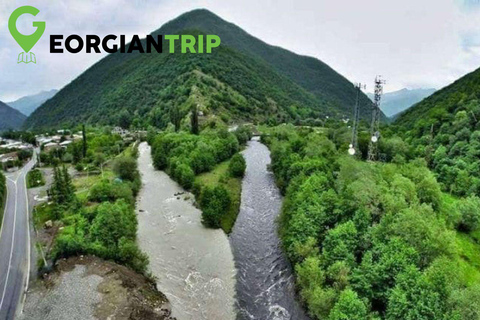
353	148
375	125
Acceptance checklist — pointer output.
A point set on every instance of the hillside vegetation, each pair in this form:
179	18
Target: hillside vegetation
311	74
373	240
232	84
445	129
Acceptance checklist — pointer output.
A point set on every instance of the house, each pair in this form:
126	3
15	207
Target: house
65	143
50	146
12	156
120	131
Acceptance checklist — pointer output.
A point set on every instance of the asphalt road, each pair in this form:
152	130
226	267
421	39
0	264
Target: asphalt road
14	244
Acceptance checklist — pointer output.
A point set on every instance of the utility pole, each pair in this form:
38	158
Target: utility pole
353	148
375	125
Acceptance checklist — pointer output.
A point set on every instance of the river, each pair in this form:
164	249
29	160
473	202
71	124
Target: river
194	265
265	284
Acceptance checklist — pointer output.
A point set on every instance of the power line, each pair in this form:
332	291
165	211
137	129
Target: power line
375	125
353	149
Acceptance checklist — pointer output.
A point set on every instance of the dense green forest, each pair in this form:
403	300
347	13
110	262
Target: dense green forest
444	129
230	84
373	240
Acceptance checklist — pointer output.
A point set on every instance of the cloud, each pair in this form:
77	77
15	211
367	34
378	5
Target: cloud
412	43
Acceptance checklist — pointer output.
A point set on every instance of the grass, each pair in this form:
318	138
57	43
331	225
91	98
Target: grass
84	183
35	179
42	213
219	175
468	249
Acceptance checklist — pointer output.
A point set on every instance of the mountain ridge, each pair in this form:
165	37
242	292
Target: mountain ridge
134	89
398	101
30	103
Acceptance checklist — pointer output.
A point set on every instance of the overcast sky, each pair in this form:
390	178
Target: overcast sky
411	43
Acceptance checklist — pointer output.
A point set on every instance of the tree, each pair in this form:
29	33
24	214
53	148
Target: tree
126	168
470	213
414	298
349	307
194	119
176	117
214	202
112	222
62	190
84	140
124	119
237	166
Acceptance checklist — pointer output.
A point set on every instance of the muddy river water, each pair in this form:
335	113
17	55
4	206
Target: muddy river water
194	265
205	276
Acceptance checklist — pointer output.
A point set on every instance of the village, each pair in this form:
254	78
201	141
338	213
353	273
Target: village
14	153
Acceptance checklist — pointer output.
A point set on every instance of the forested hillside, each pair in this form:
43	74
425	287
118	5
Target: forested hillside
444	128
373	240
232	83
10	118
310	73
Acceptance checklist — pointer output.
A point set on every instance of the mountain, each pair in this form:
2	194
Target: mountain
10	118
445	128
398	101
243	79
311	74
28	104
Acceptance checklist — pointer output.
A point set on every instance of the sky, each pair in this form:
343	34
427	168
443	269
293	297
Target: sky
411	43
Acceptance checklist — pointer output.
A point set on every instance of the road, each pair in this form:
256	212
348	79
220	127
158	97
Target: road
15	246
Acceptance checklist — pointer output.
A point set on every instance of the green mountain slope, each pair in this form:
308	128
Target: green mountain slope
310	73
231	83
10	118
445	128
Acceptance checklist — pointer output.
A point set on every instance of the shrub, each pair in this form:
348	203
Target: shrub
184	175
214	203
126	168
107	191
237	166
470	213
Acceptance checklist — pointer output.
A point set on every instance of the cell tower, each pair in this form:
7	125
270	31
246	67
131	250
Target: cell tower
375	125
353	148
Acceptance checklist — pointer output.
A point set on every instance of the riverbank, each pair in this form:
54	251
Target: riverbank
193	265
84	288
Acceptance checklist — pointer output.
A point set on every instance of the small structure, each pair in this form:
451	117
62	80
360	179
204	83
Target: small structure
12	156
120	131
50	146
65	143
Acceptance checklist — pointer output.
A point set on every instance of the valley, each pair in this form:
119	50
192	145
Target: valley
249	183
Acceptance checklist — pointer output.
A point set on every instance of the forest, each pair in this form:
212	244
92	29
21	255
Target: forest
373	240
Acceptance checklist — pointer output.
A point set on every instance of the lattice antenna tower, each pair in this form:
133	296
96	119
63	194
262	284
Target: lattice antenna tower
353	148
375	125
